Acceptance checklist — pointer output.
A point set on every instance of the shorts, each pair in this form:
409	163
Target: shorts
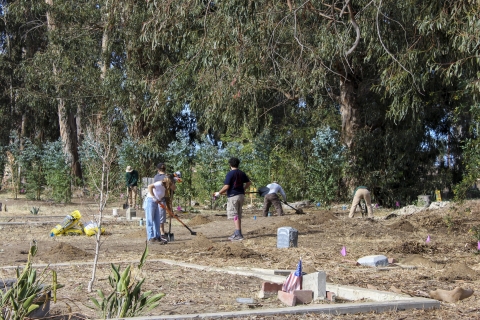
234	206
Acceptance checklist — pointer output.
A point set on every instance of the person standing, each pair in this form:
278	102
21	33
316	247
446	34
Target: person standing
131	177
154	213
236	181
359	193
272	198
160	176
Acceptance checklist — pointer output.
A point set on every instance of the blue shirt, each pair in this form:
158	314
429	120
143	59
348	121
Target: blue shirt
235	180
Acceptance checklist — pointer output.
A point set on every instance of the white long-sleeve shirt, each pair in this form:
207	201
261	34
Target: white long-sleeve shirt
275	188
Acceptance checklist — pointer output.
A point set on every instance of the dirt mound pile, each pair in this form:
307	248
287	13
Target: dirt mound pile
65	252
413	247
318	218
431	223
235	250
402	225
418	260
458	271
201	242
290	223
199	220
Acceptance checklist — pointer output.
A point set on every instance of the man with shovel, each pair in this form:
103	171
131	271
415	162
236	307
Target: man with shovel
272	198
236	181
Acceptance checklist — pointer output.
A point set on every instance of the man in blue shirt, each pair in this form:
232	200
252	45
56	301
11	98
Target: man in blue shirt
234	187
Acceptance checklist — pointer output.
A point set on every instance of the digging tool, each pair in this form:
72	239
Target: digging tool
193	233
170	234
297	211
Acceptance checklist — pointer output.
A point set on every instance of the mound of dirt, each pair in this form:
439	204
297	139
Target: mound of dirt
64	252
318	218
402	225
413	247
198	220
201	242
418	260
235	250
458	271
432	223
290	223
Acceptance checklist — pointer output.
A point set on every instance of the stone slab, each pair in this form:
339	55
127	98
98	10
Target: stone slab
373	261
288	298
317	282
303	296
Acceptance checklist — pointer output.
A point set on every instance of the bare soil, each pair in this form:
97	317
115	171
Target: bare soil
449	260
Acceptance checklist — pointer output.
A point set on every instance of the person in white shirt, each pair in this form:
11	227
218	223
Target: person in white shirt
155	215
272	198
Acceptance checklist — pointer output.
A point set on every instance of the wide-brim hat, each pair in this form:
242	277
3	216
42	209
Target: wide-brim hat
129	169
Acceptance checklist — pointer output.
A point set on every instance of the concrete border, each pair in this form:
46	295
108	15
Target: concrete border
333	309
383	301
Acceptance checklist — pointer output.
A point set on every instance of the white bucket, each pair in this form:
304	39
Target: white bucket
115	212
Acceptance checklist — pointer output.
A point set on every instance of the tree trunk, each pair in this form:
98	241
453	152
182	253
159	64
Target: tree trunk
68	130
349	109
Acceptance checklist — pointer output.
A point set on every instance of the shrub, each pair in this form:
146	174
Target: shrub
27	292
126	298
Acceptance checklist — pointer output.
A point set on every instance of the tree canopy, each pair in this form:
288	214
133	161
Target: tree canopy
319	95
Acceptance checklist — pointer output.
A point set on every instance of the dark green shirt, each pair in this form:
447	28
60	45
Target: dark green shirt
131	178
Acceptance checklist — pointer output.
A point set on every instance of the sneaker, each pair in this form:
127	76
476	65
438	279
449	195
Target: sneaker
162	238
232	236
237	238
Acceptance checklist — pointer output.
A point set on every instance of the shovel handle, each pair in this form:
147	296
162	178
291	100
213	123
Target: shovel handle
170	213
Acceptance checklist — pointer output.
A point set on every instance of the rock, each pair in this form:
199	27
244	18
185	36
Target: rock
451	296
373	261
193	203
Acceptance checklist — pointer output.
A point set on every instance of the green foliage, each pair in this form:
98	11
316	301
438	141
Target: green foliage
475	232
326	165
210	170
34	210
126	298
31	162
57	172
449	222
28	291
181	156
15	151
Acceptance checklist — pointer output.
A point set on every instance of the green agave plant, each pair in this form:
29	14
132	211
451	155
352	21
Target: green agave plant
27	292
126	298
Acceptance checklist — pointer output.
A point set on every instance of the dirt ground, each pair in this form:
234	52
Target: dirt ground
450	259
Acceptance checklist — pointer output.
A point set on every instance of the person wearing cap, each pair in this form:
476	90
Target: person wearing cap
272	198
359	193
131	177
236	181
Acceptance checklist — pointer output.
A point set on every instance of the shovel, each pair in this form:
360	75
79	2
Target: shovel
297	211
169	234
193	233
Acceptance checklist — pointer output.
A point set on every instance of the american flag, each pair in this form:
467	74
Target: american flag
294	280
